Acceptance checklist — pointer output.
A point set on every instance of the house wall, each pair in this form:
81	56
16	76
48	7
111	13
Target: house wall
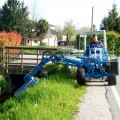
64	38
51	41
33	42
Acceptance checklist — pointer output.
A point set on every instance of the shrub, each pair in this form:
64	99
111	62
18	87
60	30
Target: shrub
10	39
113	41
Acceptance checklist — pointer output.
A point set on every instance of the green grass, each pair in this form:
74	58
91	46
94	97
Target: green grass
113	56
53	98
27	46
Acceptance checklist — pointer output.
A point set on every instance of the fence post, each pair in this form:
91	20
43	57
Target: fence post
7	59
22	60
37	55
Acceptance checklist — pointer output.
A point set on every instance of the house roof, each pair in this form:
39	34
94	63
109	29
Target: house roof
52	31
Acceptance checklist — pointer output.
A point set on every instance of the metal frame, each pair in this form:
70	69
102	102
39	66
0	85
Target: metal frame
90	64
78	61
96	32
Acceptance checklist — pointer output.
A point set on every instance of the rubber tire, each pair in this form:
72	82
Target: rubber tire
81	76
112	80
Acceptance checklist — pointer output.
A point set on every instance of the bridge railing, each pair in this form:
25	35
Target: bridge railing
21	56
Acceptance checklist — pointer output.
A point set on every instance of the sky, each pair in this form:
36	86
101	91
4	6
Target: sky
56	12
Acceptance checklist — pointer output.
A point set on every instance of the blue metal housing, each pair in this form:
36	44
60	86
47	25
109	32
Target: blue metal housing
89	63
94	61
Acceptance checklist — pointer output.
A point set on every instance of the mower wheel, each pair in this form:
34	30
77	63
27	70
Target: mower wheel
112	80
80	76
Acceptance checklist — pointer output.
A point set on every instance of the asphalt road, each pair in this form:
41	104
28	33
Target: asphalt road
94	105
101	102
113	98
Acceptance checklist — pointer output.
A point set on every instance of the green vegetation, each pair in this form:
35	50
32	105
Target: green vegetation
111	22
113	42
42	29
18	17
53	98
30	51
3	84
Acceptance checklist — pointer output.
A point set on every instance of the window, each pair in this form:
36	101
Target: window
35	41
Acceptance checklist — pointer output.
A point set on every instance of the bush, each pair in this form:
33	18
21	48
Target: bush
113	41
10	39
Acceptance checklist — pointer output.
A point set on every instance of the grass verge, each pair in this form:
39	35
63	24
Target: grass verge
53	98
3	84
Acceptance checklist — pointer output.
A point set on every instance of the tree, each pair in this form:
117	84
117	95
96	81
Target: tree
117	27
32	29
111	22
104	25
112	17
70	31
42	29
59	33
83	29
14	17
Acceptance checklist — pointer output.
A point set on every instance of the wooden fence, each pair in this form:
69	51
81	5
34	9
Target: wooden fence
20	60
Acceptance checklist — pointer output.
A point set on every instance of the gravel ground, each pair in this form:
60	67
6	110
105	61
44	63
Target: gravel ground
94	104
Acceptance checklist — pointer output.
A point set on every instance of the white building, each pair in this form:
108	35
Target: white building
49	40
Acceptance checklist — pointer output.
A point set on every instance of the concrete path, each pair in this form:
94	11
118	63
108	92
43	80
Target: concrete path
94	105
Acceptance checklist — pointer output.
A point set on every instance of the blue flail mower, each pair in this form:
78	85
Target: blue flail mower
94	63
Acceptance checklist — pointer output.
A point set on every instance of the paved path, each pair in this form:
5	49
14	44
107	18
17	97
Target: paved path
94	104
99	103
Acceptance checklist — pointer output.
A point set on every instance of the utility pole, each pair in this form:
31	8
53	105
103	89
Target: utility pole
78	26
78	38
92	20
33	11
114	1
